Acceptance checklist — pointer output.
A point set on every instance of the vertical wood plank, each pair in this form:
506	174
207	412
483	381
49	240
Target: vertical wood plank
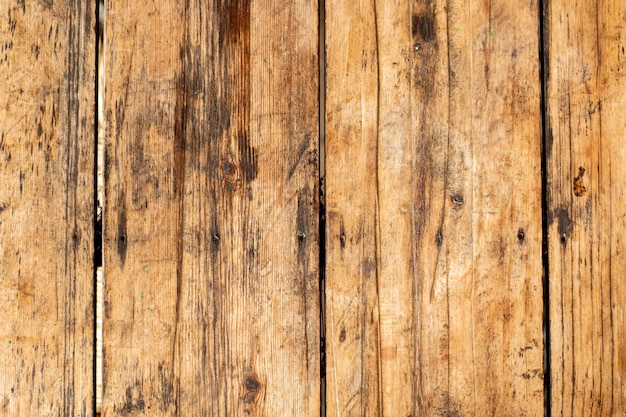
586	95
211	240
352	358
47	118
433	291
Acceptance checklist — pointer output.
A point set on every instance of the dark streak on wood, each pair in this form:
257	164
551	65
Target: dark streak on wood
184	87
180	130
423	27
439	238
565	224
579	188
133	405
167	388
122	239
298	159
234	28
342	237
303	221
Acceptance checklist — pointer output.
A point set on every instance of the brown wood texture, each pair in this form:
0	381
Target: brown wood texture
47	67
434	271
586	181
211	225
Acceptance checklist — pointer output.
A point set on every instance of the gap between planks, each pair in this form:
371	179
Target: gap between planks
100	201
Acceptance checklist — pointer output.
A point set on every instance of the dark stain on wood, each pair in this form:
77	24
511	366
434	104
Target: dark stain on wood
439	238
342	237
236	21
230	176
122	240
75	238
69	396
215	240
579	189
179	133
368	267
218	112
22	177
298	159
248	157
423	27
167	388
120	115
449	407
185	89
565	224
302	225
132	405
234	31
499	249
252	384
253	387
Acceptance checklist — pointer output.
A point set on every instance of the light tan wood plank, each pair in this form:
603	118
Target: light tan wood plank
433	195
353	369
586	95
47	105
211	227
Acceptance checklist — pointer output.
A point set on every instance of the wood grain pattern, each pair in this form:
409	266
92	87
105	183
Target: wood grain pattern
434	277
211	225
586	94
46	208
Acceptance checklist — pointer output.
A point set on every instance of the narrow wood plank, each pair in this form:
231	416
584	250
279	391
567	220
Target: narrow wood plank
211	241
433	292
47	118
586	95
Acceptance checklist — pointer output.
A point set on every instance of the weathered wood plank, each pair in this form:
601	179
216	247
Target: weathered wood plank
47	67
586	95
433	291
211	242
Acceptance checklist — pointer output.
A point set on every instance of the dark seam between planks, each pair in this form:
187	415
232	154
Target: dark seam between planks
546	145
321	78
96	217
377	234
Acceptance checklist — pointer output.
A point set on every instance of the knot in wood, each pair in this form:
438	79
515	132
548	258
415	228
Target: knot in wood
252	384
